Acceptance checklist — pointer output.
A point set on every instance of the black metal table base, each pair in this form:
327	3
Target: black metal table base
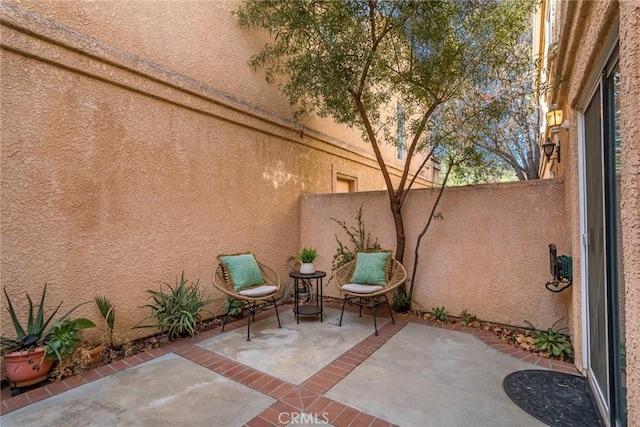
299	283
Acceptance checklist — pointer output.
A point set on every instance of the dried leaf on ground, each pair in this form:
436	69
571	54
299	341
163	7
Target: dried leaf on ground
525	342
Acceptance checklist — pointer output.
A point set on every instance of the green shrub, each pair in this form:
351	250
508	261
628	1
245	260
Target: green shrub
401	302
551	340
178	311
233	307
439	314
467	318
65	337
359	238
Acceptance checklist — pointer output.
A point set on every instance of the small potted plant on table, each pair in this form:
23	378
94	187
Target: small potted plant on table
306	256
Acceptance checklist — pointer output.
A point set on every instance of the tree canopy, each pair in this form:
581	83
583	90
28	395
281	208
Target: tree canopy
356	60
508	130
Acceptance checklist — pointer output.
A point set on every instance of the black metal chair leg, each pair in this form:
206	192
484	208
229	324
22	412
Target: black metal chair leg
224	322
344	301
360	303
277	315
249	323
375	323
390	311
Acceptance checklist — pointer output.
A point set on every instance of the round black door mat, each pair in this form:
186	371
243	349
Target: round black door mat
555	398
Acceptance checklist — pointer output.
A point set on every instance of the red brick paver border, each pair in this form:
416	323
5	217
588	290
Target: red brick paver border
494	342
292	401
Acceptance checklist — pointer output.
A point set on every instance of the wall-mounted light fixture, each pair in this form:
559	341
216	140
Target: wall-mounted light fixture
554	116
549	147
554	120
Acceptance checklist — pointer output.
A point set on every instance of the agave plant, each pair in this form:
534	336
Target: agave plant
37	329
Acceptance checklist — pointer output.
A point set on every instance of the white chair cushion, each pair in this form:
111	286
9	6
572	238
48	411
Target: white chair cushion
258	291
362	289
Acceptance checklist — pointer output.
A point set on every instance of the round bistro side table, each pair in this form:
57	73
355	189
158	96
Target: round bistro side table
307	309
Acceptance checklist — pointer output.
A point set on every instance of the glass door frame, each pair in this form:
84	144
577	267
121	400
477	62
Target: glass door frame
611	207
612	406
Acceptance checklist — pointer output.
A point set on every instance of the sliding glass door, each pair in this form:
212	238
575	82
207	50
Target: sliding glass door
603	251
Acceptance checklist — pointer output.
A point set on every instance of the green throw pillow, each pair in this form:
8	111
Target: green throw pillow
243	269
371	268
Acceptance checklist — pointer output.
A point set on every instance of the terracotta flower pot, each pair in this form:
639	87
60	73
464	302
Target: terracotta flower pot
27	367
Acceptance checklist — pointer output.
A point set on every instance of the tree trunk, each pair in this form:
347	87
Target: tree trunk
396	209
395	196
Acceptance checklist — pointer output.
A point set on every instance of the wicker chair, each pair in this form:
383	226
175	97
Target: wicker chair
251	296
369	295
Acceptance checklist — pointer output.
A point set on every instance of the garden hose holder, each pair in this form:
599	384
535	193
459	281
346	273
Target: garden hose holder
561	269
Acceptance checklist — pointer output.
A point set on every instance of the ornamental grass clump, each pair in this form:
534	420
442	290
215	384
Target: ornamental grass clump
177	309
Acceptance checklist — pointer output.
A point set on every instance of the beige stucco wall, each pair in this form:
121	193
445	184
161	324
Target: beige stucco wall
630	203
136	143
199	40
582	32
584	28
488	255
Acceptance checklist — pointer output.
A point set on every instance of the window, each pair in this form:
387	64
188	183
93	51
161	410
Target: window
345	184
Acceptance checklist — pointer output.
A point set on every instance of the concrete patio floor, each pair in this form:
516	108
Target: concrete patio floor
413	374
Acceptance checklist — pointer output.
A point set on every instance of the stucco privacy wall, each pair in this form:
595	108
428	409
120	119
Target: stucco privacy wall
199	40
583	31
118	172
488	255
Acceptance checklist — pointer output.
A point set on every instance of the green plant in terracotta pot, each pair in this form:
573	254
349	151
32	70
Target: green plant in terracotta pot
25	355
306	256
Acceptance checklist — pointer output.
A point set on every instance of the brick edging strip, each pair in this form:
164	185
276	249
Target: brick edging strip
290	398
494	342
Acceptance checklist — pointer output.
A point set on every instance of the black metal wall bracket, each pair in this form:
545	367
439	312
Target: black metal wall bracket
561	269
557	286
